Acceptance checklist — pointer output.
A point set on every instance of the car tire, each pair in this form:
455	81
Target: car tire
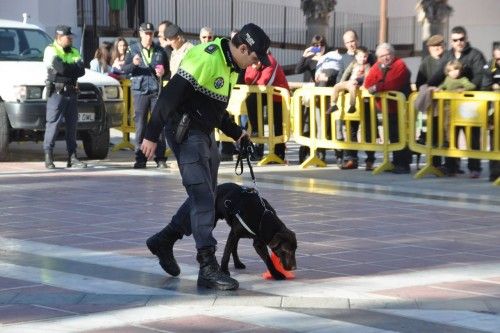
4	134
96	144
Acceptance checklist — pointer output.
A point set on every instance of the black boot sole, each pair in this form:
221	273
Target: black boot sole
154	250
211	285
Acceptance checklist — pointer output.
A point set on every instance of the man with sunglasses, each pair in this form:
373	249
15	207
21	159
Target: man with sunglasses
145	62
473	62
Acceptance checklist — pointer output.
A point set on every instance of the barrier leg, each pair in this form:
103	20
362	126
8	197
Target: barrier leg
125	143
313	160
385	166
429	169
497	182
270	158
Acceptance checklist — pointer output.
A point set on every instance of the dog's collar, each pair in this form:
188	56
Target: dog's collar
244	224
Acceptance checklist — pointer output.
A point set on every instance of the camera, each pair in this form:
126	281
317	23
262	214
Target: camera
316	49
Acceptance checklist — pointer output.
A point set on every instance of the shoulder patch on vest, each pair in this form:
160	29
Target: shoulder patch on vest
219	82
210	48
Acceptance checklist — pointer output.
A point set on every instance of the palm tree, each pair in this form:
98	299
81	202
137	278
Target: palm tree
433	14
317	13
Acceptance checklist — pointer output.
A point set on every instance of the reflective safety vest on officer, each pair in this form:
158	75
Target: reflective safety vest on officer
64	67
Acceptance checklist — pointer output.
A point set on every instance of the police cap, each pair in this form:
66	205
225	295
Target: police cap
63	30
257	40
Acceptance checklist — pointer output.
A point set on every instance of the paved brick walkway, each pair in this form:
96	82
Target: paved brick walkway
379	253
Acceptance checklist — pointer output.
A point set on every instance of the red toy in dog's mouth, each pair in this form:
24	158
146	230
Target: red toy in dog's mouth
279	267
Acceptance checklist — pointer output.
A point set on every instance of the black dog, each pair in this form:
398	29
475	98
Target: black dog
251	216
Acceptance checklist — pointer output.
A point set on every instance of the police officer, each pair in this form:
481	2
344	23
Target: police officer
64	67
200	92
145	63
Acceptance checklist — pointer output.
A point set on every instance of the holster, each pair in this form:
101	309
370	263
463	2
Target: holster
182	128
49	86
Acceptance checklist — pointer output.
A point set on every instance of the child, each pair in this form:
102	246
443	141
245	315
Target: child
454	81
352	78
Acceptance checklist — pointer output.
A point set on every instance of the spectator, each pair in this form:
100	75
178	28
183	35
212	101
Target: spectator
349	159
145	63
307	65
352	79
179	44
473	63
454	82
272	75
102	60
115	6
491	81
206	35
428	67
118	54
390	73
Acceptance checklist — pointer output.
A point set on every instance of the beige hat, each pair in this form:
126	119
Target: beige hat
435	40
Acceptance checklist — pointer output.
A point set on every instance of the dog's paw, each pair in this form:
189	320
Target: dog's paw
239	265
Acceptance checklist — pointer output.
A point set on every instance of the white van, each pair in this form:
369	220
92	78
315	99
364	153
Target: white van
23	101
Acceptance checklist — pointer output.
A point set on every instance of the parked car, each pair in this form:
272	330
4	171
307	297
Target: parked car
23	99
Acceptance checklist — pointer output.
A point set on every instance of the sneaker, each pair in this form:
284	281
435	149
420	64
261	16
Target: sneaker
474	174
350	164
369	166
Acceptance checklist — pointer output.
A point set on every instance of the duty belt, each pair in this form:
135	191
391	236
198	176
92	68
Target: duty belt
65	88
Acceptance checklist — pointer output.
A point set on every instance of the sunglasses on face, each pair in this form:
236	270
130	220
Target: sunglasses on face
207	37
461	39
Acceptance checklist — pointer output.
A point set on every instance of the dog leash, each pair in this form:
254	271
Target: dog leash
242	155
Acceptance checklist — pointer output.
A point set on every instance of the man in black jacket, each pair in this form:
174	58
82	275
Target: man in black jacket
473	62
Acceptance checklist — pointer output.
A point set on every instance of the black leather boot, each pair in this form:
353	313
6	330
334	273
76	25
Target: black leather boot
210	275
49	159
162	245
74	162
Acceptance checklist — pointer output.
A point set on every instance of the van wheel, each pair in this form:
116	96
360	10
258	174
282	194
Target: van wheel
4	133
96	144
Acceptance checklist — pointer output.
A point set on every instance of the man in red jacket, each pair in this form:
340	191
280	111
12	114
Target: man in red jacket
390	73
272	75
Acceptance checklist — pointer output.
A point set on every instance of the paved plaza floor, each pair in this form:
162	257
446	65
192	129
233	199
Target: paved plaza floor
383	253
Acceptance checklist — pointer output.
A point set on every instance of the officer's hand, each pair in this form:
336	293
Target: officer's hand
148	148
137	60
246	145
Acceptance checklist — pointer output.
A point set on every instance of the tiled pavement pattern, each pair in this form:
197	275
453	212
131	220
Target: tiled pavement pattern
376	253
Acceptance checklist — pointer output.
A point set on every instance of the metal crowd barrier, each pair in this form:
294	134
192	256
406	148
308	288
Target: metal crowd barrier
454	111
264	133
309	105
128	125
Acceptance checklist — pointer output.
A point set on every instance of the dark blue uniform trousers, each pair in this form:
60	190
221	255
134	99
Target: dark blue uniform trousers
198	160
143	104
59	107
